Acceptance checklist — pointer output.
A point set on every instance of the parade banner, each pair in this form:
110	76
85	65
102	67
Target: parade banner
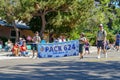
63	49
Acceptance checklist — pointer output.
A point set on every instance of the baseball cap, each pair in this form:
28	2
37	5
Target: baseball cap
101	25
82	34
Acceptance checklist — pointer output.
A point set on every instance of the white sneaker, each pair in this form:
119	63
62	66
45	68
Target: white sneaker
118	50
35	57
98	56
106	55
30	56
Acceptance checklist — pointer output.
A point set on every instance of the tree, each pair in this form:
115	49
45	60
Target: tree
62	13
110	10
60	7
12	10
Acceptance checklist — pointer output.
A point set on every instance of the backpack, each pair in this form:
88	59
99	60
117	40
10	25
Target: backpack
103	32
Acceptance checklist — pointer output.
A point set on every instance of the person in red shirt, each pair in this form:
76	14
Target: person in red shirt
15	50
23	49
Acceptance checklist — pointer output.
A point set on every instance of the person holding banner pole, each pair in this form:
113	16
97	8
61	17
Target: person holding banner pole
36	40
82	41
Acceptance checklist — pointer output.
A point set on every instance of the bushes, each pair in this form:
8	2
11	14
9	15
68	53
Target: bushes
92	38
111	38
74	35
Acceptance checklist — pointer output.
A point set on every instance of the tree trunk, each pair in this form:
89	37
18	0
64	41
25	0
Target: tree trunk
17	32
43	25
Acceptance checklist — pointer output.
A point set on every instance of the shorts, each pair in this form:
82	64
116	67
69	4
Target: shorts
117	44
81	47
100	44
24	53
107	47
34	46
87	49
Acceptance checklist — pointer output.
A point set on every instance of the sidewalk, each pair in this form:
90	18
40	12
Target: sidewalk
4	55
11	57
112	54
93	49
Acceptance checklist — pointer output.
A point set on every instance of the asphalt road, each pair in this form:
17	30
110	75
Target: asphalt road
64	68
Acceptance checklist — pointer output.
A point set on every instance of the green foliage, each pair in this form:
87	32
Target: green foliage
111	37
70	17
35	24
15	10
74	35
65	13
91	37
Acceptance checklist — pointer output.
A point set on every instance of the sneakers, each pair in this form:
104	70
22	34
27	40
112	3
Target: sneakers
34	57
30	56
81	57
117	50
106	55
98	56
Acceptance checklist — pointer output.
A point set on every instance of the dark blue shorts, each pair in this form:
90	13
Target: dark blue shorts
81	47
34	46
100	44
117	43
87	49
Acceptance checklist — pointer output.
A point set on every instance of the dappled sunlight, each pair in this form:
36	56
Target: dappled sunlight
63	70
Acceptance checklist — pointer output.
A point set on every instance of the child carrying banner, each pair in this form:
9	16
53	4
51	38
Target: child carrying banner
87	46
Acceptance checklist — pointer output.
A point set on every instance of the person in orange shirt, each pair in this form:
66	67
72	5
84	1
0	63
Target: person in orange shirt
23	49
15	49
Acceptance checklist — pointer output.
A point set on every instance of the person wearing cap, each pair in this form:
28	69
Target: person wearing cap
82	41
36	40
101	40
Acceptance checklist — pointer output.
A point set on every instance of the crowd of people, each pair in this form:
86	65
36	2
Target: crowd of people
101	42
19	48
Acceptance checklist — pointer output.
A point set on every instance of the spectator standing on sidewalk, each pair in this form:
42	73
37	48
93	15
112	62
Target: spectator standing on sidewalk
36	40
101	41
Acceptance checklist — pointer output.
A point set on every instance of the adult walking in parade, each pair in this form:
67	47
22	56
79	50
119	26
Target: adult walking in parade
101	41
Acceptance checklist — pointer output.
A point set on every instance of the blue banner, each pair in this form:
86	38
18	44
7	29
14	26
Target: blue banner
70	48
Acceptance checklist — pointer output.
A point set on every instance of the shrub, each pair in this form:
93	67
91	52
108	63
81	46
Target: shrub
111	38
